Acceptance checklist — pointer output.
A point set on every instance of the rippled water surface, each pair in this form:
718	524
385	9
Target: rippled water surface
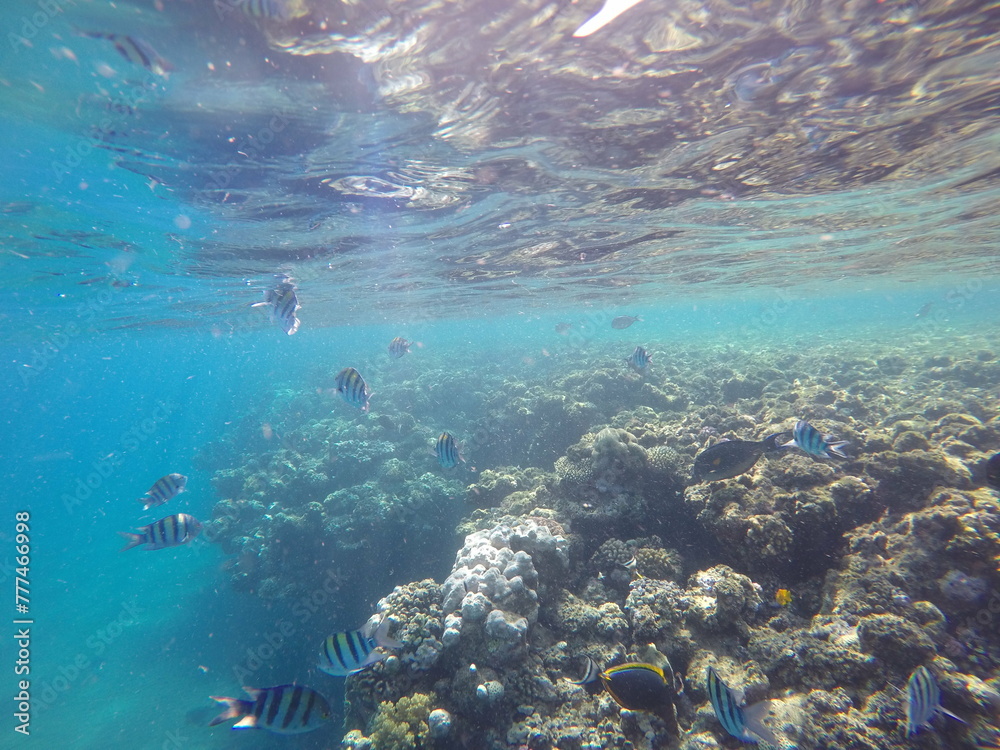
453	159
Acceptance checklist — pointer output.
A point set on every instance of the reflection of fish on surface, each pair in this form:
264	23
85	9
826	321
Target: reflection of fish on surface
742	722
352	651
273	10
730	458
282	709
135	50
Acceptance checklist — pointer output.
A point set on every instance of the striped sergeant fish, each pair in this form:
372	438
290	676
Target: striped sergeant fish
166	488
137	51
398	347
923	701
171	531
743	723
639	359
346	653
283	303
283	709
352	388
447	452
808	438
272	10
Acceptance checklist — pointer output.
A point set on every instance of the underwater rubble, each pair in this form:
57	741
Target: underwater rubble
598	546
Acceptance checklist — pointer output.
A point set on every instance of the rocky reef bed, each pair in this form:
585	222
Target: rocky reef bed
577	536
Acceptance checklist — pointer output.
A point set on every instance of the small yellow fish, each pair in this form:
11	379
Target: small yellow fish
782	597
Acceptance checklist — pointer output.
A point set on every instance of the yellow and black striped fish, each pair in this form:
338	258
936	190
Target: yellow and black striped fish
282	709
447	452
398	347
346	653
352	388
137	51
165	489
171	531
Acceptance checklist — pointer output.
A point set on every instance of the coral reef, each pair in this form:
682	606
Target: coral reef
578	538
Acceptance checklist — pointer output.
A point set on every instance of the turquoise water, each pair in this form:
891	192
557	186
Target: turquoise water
466	177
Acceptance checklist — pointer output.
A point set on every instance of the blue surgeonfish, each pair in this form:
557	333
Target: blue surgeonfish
282	709
742	722
352	388
923	701
164	489
346	653
171	531
447	452
807	438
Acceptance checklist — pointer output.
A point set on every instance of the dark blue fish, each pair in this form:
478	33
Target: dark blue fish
398	347
743	723
639	359
993	471
808	438
135	50
165	489
282	709
730	458
171	531
346	653
923	701
352	388
447	452
624	321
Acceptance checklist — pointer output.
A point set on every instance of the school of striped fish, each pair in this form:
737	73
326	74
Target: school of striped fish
291	709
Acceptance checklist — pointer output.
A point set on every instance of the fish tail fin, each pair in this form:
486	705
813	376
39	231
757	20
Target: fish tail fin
134	540
837	448
754	722
382	635
234	709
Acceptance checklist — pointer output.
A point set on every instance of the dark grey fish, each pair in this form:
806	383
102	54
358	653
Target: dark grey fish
993	471
135	50
924	309
624	321
730	458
